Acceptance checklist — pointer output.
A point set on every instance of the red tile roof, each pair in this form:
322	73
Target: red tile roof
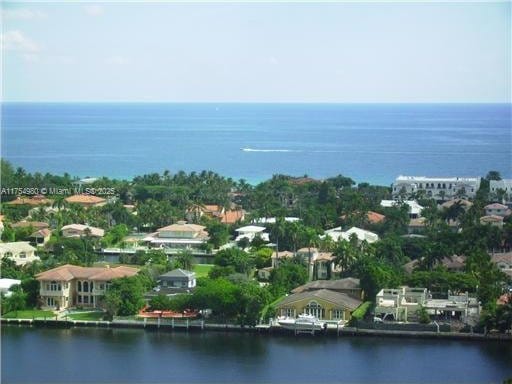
69	272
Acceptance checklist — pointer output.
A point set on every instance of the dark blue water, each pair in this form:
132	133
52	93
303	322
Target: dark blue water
77	355
368	142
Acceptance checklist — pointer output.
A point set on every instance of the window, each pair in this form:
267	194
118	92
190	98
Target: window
102	286
85	286
66	285
50	301
86	299
79	298
79	286
91	286
54	286
289	312
338	314
313	308
8	254
22	255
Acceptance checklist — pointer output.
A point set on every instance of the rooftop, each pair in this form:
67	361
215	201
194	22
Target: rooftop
336	298
346	283
69	272
434	179
16	247
85	199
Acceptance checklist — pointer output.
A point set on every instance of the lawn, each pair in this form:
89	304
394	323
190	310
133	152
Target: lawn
202	270
28	314
88	316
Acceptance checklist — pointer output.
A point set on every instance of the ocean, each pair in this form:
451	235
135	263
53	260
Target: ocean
367	142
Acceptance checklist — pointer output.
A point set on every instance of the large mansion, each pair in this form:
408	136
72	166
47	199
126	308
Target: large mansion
70	285
439	188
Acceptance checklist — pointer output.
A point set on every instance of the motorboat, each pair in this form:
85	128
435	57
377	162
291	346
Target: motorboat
302	322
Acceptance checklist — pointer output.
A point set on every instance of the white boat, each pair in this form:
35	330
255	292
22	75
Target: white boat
304	321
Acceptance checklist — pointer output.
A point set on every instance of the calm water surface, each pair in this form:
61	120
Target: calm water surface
136	356
368	142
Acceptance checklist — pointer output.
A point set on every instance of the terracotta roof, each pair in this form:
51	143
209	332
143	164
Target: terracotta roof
463	202
41	233
374	217
454	262
337	298
491	219
85	199
324	256
34	200
505	257
69	272
306	250
282	255
34	224
80	228
231	217
346	283
496	206
419	222
182	226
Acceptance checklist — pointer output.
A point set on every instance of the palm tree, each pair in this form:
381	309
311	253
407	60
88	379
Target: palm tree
185	260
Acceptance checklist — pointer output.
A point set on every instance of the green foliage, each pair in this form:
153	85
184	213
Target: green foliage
184	260
286	277
15	302
440	280
218	233
263	257
237	258
360	312
375	275
423	315
115	235
125	296
30	287
160	302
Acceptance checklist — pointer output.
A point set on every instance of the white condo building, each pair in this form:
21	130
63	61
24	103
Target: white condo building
504	185
440	188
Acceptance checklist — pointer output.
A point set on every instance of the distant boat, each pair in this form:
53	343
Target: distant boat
304	321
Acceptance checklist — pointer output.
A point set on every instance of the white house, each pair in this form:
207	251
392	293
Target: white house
414	208
362	235
504	185
439	188
497	209
178	278
21	252
80	230
249	232
272	220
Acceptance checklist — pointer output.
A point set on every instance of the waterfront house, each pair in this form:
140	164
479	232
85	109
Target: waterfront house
322	303
439	188
177	278
80	230
70	285
497	209
21	252
86	201
179	236
348	285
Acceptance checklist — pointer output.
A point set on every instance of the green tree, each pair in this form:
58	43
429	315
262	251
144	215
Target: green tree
125	296
184	260
160	302
287	276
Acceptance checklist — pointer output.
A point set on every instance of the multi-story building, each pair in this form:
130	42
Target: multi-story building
70	285
179	236
501	189
439	188
21	252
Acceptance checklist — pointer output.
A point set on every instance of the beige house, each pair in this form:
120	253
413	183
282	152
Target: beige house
41	236
494	220
348	285
178	236
70	285
323	303
497	209
20	251
80	230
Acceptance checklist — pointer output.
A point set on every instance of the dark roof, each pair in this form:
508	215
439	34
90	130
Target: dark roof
178	273
337	298
346	283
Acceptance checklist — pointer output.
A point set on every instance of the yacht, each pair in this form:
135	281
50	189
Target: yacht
304	321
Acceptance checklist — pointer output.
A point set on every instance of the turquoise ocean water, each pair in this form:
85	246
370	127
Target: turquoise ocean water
368	142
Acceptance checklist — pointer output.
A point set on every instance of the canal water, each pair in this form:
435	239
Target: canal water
84	355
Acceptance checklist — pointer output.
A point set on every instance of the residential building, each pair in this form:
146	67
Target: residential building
249	232
80	230
322	303
35	225
348	285
232	216
20	251
465	204
278	257
439	188
370	216
86	201
414	208
323	266
337	234
454	263
177	278
503	261
497	209
196	211
272	220
502	189
179	236
70	285
40	237
495	221
33	200
264	273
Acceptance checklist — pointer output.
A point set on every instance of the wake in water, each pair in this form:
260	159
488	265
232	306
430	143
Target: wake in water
268	150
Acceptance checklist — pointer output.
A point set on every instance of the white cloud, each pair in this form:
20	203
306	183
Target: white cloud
94	10
23	14
16	41
116	60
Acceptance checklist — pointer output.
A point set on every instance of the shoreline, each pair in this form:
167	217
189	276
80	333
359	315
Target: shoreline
205	327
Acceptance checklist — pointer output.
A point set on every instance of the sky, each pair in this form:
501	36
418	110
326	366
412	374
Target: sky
345	52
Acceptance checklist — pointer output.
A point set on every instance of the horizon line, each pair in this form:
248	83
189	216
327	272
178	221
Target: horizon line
239	102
